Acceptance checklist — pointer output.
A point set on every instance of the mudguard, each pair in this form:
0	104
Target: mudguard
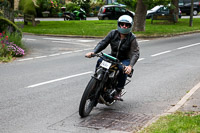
99	74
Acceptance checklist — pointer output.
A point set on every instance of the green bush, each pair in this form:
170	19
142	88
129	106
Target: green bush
7	25
86	6
94	7
71	7
46	5
17	39
1	12
130	4
29	8
21	4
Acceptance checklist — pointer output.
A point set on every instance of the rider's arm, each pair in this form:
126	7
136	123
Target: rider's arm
100	46
134	52
104	43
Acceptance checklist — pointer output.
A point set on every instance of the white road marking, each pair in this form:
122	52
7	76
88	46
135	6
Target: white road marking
28	39
86	40
39	57
78	51
59	39
55	54
140	59
69	52
191	45
25	59
71	43
143	41
161	53
59	79
88	49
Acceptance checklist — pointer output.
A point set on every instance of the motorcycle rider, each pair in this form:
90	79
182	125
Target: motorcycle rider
124	46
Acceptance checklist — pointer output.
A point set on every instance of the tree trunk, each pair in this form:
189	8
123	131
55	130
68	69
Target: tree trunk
191	13
140	16
175	10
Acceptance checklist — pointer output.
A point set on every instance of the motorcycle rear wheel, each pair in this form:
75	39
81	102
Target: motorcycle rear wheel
88	99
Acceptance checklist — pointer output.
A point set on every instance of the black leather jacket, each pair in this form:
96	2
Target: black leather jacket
121	49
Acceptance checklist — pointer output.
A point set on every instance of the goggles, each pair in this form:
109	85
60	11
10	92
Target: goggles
126	24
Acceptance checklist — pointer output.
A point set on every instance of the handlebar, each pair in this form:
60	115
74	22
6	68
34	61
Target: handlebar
112	60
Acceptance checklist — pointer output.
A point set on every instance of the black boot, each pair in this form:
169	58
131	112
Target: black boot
118	95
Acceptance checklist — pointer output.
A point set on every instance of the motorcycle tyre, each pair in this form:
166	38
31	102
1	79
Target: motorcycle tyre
84	18
83	110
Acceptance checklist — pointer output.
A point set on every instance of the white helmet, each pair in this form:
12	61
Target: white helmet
125	19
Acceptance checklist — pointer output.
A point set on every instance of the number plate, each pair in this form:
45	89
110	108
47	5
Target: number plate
105	64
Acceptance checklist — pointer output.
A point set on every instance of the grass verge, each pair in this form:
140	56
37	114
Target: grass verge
80	28
101	28
178	122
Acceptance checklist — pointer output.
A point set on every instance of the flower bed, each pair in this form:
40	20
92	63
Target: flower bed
9	49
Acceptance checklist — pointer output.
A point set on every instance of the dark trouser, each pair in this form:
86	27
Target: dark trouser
122	76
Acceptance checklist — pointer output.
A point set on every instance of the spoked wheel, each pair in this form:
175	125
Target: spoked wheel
88	99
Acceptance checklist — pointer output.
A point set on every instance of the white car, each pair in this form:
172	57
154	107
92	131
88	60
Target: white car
159	10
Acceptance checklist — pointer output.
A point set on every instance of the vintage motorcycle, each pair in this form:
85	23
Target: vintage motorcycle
101	87
75	15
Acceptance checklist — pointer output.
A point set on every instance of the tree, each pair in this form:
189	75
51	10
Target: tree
140	16
85	4
141	10
130	4
191	13
174	10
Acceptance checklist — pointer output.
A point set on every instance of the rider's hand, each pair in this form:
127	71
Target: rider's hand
128	69
89	55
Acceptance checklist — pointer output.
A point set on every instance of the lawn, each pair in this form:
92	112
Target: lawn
101	28
81	28
176	123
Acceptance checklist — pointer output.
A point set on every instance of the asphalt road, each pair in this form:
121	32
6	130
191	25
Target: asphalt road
40	93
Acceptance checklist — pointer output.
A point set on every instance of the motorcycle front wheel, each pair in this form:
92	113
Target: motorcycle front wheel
88	99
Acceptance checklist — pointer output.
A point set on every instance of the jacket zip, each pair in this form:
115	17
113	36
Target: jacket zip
118	49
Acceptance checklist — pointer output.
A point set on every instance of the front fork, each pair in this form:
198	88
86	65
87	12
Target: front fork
102	78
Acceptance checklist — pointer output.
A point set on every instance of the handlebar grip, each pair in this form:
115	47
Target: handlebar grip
131	74
93	55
